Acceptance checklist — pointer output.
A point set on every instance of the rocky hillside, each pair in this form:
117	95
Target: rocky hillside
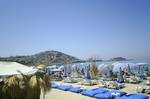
46	58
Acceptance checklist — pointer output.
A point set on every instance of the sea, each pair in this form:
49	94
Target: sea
146	60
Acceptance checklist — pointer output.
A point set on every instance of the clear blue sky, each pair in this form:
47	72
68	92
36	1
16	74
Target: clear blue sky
82	28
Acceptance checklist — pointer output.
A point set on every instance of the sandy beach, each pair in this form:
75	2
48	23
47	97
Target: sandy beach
58	94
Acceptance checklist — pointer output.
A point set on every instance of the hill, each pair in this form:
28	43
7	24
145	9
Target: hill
118	59
46	58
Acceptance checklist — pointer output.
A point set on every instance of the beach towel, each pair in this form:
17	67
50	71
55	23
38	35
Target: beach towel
110	94
54	85
76	89
117	93
64	87
105	95
133	96
93	92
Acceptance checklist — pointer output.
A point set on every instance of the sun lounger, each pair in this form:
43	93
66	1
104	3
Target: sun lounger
133	96
64	87
76	89
102	84
93	92
147	82
105	95
110	94
140	89
112	85
134	80
70	80
88	82
117	93
147	90
54	85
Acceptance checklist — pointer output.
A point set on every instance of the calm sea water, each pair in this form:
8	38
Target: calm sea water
132	61
141	60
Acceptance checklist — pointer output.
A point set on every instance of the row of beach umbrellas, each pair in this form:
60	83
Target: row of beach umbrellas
105	68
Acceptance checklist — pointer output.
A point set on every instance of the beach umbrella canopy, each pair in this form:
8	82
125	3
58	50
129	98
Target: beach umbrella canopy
141	64
12	68
67	70
74	68
123	65
140	67
109	73
104	68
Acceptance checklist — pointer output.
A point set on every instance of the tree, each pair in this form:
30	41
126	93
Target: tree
25	87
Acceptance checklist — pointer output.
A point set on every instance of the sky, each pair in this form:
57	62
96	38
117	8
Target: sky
81	28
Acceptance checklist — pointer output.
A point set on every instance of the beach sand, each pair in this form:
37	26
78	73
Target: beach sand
58	94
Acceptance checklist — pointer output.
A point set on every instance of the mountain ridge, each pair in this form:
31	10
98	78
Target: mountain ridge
46	58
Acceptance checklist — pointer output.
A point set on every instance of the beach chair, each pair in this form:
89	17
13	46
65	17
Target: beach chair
133	96
103	96
70	80
102	84
93	92
134	80
115	85
110	94
54	85
147	82
88	82
64	87
76	89
140	89
147	90
117	93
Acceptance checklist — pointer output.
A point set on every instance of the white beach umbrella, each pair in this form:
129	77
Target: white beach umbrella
12	68
105	68
141	65
123	65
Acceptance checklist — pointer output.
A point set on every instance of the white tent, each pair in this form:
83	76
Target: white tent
12	68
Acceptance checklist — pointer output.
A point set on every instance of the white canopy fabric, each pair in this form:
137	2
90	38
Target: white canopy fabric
12	68
56	70
123	66
141	64
105	67
52	67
